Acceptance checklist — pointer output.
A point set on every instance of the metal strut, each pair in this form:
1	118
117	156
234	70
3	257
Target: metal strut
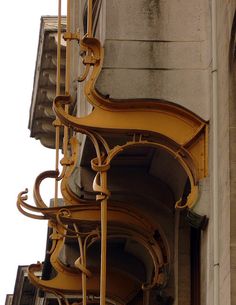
185	140
102	197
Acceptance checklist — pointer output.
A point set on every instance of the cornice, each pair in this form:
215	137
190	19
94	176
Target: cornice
41	115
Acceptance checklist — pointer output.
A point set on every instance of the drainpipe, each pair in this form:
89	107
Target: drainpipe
215	155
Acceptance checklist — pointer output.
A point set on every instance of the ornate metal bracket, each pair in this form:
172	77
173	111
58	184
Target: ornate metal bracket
155	123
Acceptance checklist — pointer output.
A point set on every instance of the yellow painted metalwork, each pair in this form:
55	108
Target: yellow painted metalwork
123	222
58	92
155	123
156	118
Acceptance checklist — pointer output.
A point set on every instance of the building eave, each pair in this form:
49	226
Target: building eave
41	115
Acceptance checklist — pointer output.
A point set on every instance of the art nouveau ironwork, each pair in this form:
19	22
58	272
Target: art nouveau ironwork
154	123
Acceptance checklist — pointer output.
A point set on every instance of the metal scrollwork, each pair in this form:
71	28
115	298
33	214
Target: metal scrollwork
185	140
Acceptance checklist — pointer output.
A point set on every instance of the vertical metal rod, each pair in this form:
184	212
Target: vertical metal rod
57	143
89	18
67	78
68	49
103	241
84	288
82	250
215	156
58	85
83	263
58	90
146	297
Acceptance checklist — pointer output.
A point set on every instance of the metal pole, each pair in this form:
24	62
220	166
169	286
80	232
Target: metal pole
67	78
215	155
89	18
58	91
58	86
103	241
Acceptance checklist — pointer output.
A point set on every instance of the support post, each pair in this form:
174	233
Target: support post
103	240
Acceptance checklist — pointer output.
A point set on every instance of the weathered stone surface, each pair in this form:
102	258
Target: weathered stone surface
188	88
144	54
156	20
158	49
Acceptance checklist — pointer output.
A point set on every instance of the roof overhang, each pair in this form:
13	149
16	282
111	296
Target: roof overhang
44	88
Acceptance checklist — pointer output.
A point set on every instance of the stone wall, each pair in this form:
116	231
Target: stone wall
158	49
162	50
230	272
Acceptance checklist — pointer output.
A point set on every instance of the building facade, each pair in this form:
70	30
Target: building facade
141	102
